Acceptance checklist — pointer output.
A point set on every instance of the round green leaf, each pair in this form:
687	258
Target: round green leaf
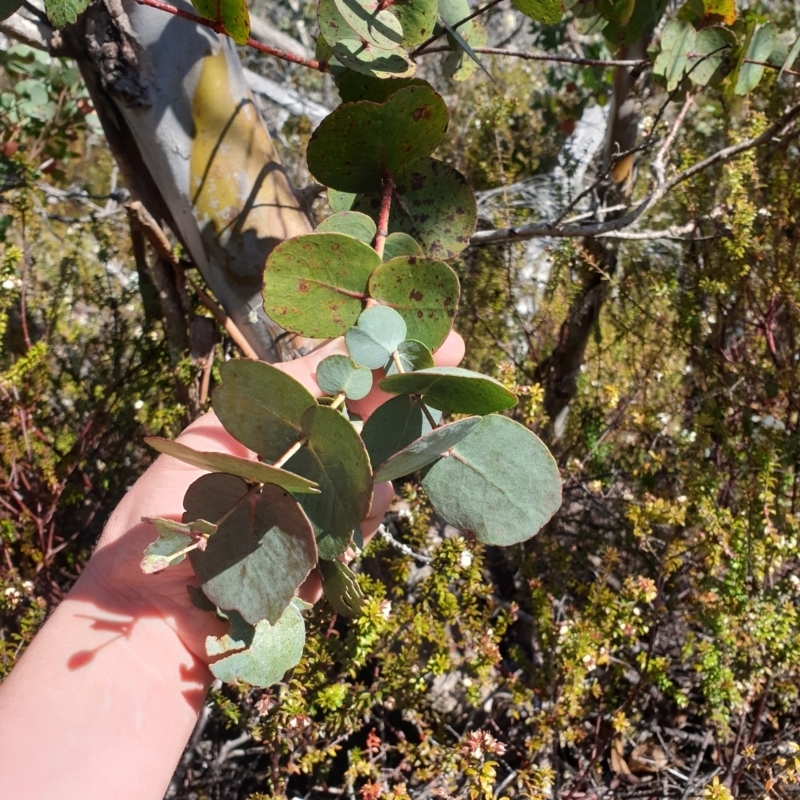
340	201
547	11
377	334
425	450
759	49
500	483
362	57
262	551
412	355
712	48
261	406
378	28
453	12
677	42
393	425
425	293
400	244
351	223
332	25
265	655
358	143
417	17
314	285
341	374
453	389
355	86
436	207
337	459
64	12
253	471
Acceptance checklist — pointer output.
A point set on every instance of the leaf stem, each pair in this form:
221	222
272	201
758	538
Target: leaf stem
251	491
195	546
397	362
426	411
338	400
217	27
383	217
290	452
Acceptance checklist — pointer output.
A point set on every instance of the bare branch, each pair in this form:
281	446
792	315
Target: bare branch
583	62
565	230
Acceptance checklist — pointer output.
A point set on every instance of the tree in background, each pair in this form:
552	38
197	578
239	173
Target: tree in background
650	631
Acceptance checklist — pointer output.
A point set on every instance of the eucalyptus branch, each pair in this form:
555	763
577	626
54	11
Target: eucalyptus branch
663	187
379	241
583	62
290	452
338	400
284	55
397	362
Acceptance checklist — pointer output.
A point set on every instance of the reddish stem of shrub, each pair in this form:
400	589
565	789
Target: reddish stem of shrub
217	27
383	218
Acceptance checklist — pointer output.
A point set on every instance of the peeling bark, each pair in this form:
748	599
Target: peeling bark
183	127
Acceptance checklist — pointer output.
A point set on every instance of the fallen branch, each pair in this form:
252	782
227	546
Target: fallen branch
559	59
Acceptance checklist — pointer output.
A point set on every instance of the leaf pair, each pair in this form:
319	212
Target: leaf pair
490	476
316	286
268	412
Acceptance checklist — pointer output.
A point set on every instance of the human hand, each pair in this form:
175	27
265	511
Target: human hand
114	573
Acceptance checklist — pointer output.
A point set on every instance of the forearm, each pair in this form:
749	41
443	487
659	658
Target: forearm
101	705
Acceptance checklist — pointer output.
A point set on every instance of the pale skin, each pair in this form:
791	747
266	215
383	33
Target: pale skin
105	698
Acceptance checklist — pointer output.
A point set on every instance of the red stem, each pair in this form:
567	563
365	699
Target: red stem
383	217
217	27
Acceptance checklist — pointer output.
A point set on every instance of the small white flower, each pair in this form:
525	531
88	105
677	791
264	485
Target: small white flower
8	284
138	404
465	559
